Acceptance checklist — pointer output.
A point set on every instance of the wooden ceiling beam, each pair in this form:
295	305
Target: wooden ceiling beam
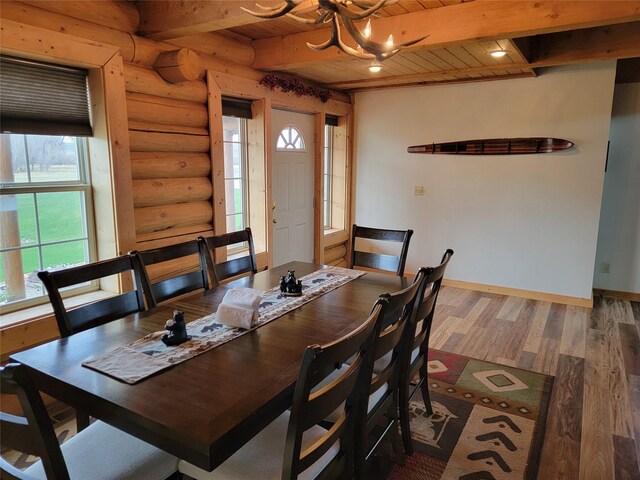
440	75
174	18
180	18
508	76
593	44
456	24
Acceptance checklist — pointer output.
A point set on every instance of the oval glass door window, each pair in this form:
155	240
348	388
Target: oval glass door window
290	138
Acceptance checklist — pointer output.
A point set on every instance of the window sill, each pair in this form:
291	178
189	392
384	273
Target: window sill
233	254
42	311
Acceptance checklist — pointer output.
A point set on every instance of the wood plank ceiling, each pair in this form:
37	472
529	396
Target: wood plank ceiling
462	34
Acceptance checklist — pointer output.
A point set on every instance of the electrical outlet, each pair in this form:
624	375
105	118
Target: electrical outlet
418	189
605	268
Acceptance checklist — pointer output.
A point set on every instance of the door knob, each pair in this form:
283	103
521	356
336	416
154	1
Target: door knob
275	221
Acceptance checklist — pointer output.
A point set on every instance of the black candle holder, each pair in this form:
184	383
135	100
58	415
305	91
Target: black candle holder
289	285
177	330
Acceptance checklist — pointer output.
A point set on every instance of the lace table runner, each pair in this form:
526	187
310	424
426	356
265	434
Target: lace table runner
149	355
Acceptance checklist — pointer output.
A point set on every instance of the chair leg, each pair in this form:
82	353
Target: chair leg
396	442
82	420
360	453
424	377
425	396
405	425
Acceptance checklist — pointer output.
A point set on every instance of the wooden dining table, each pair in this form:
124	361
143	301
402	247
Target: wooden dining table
204	409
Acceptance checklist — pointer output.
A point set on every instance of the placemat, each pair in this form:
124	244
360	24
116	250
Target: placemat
148	355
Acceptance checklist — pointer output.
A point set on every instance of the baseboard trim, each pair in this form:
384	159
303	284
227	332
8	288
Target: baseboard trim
516	292
631	296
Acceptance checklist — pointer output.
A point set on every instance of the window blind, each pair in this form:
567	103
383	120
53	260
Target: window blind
43	99
331	120
236	107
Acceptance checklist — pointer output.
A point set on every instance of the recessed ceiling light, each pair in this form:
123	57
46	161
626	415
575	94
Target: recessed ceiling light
498	54
375	67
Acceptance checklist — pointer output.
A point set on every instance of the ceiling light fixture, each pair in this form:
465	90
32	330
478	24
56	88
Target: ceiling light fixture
375	67
498	54
330	11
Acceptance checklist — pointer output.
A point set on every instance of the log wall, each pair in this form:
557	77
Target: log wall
336	249
336	255
169	136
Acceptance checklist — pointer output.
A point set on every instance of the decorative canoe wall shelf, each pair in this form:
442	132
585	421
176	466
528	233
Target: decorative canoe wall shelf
495	146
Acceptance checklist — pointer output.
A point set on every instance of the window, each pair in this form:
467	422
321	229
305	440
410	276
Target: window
290	138
45	213
328	173
334	174
235	172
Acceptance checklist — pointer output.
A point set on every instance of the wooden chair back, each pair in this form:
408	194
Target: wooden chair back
379	261
235	266
312	404
396	318
180	283
424	310
387	348
417	340
32	433
99	312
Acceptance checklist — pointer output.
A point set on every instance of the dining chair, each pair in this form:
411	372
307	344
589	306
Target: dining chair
380	261
236	265
379	402
99	452
295	446
416	352
178	281
96	313
99	312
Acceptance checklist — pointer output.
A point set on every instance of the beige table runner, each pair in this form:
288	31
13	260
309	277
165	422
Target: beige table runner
149	355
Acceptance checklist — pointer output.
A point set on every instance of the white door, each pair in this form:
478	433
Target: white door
292	173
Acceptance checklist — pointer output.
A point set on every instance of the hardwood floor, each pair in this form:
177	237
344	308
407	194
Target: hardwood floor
593	426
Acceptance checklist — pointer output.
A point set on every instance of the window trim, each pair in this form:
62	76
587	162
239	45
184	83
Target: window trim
110	141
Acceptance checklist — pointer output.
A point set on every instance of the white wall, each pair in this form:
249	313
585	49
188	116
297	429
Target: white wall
619	235
520	221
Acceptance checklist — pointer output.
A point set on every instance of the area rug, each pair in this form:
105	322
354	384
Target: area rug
488	422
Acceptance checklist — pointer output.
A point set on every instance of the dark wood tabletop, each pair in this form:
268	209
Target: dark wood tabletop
205	408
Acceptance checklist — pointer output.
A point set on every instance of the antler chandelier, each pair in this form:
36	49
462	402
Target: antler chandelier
330	11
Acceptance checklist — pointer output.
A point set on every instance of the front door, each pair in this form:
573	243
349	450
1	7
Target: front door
292	174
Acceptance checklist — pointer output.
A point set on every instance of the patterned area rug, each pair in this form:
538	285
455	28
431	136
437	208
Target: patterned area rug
488	422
